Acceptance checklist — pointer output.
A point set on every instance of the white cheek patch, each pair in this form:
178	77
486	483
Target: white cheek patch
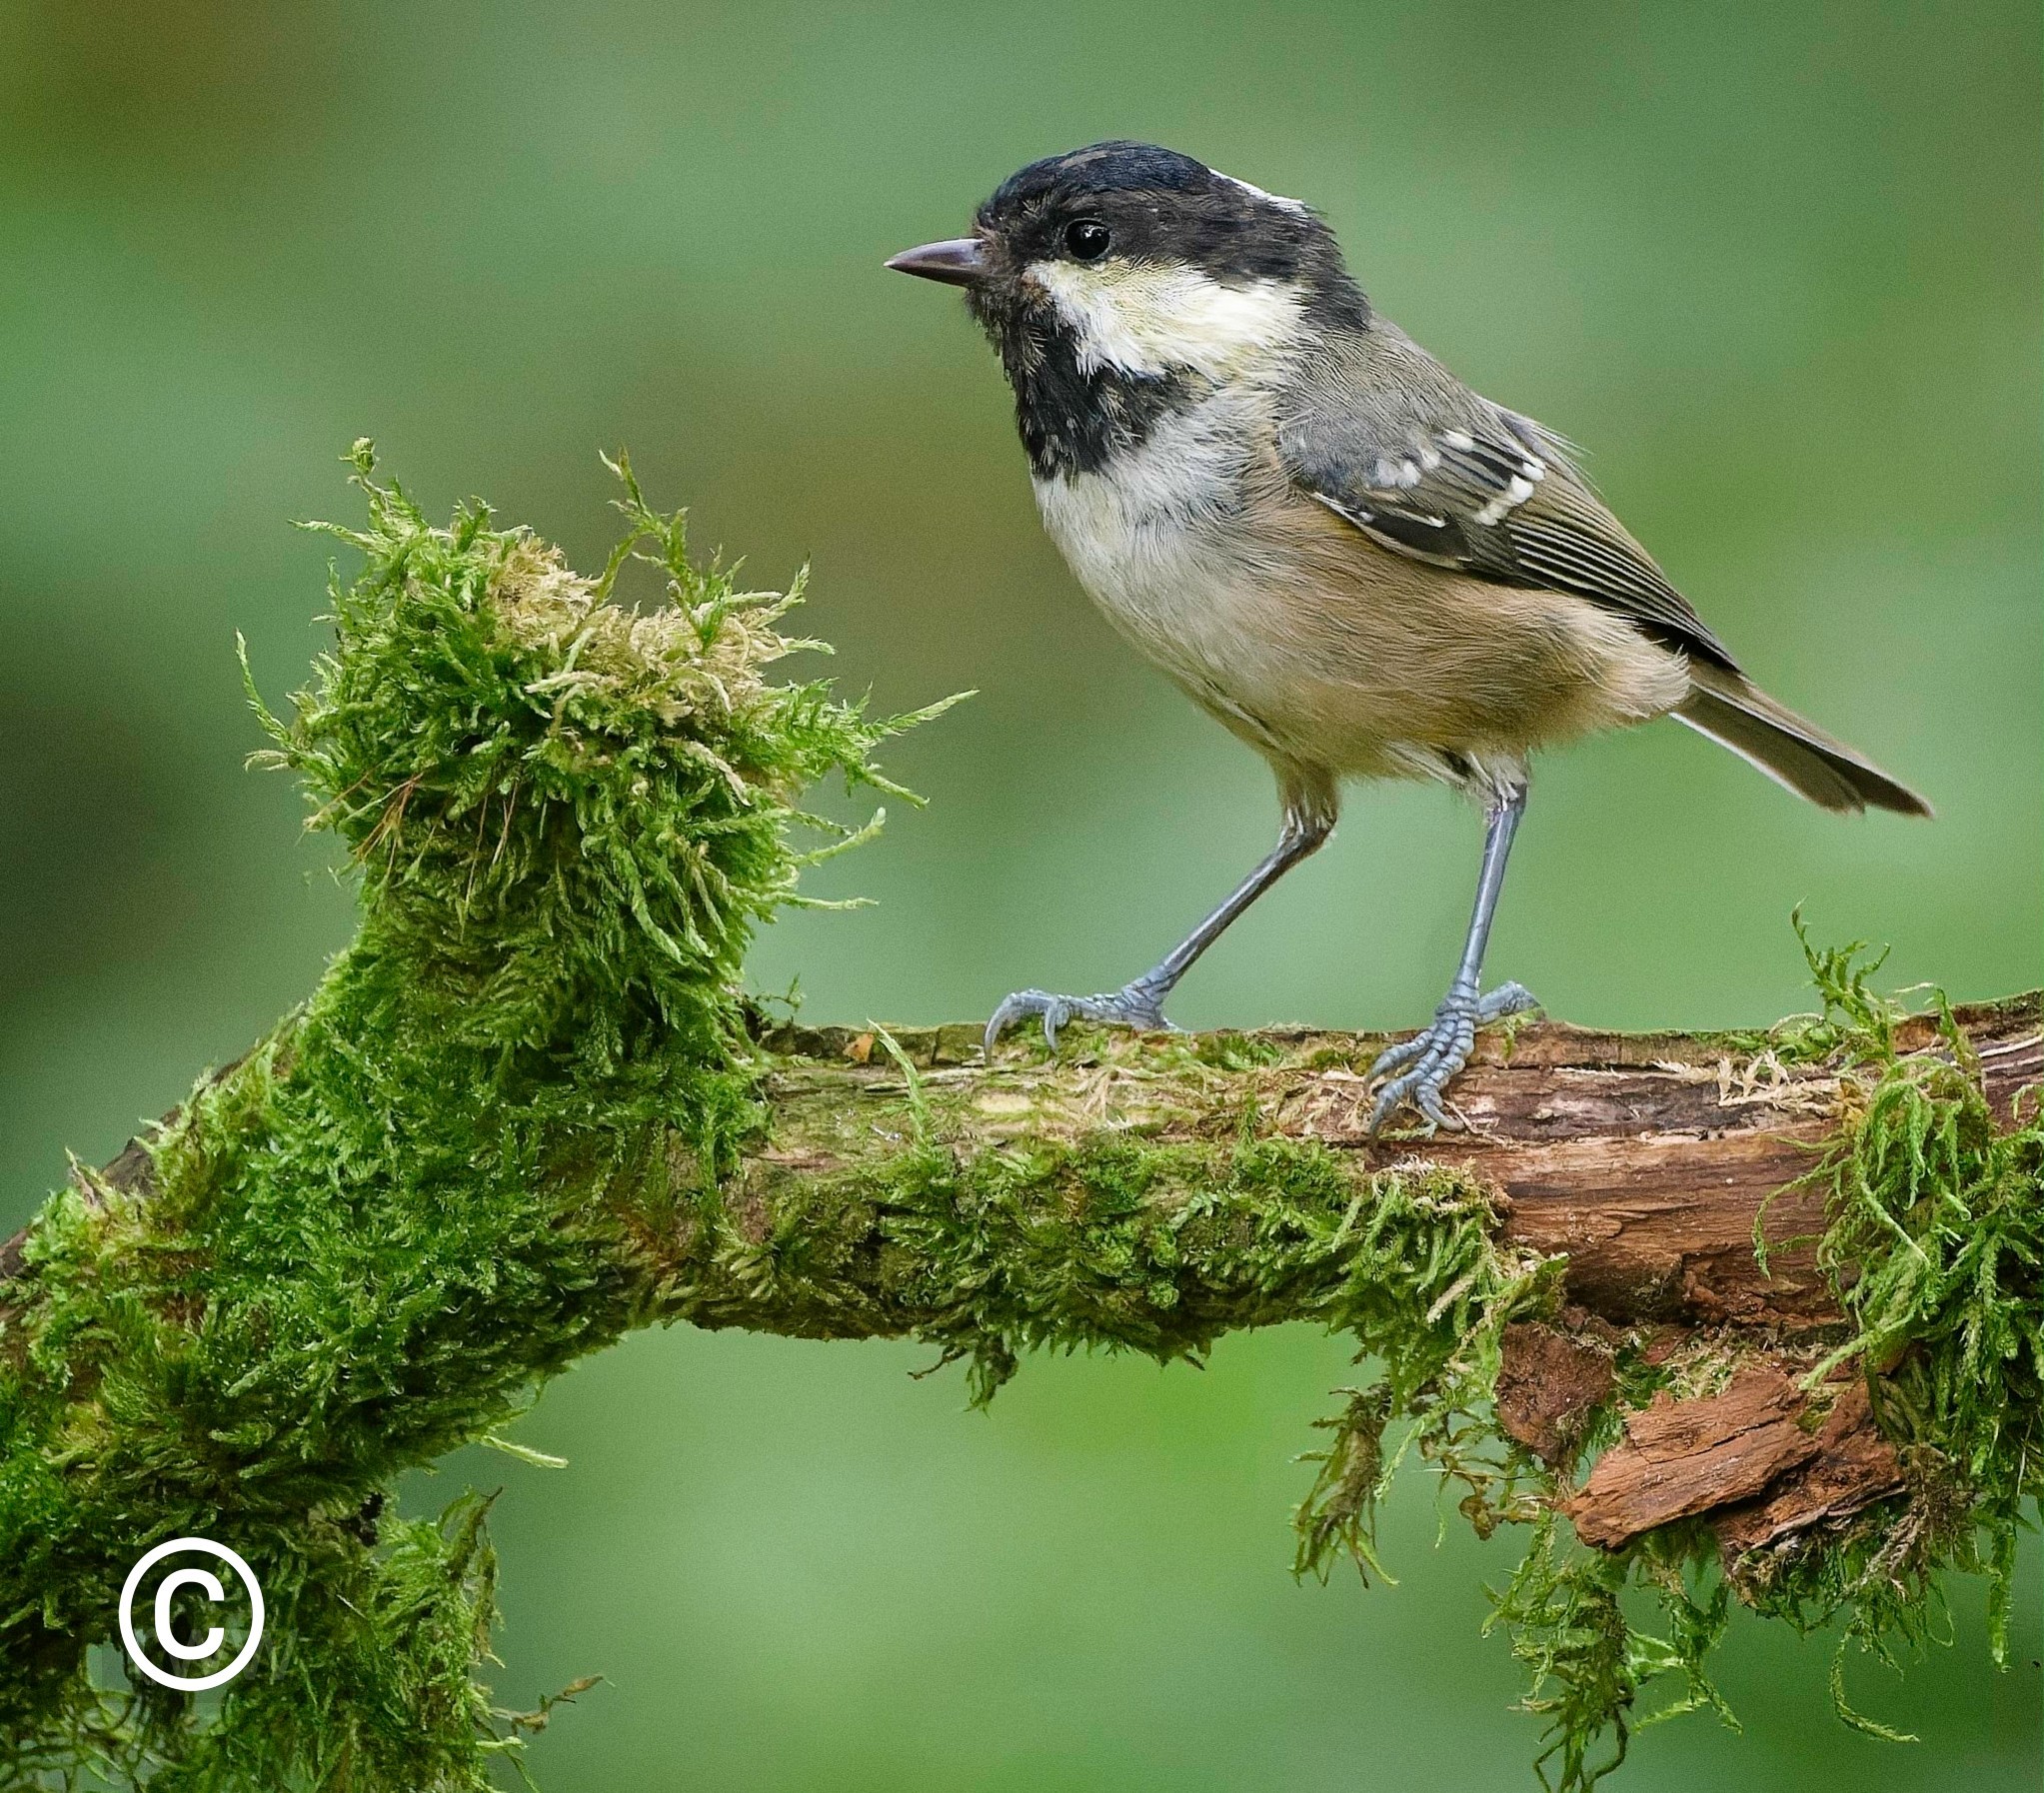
1143	318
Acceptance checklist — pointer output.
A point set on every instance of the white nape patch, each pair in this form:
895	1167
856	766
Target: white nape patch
1275	199
1150	317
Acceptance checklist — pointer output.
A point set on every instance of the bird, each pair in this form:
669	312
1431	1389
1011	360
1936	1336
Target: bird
1346	557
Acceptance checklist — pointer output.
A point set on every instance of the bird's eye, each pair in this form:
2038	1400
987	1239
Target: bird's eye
1086	239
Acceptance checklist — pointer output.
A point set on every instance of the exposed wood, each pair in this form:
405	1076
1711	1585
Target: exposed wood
1749	1455
1853	1465
1680	1459
1551	1382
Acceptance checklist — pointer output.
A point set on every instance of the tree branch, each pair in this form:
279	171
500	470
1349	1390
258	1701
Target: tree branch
1647	1158
1650	1162
526	1113
1646	1162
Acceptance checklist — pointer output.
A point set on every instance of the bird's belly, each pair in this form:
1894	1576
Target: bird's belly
1170	583
1322	650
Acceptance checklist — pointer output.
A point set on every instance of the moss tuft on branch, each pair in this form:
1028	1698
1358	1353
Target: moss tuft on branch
370	1240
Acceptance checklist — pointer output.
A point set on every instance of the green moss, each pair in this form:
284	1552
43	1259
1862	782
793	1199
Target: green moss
433	1187
1936	1244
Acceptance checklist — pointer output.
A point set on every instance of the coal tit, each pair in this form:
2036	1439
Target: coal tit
1343	555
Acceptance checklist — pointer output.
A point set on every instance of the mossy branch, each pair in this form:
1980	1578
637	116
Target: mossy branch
528	1110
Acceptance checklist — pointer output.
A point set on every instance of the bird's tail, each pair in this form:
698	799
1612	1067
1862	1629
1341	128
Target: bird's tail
1790	751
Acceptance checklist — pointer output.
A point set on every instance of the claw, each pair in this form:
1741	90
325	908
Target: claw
1437	1053
1129	1006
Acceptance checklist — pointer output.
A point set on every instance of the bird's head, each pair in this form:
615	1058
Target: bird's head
1124	268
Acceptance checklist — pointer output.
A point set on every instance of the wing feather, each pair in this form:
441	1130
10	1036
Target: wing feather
1386	438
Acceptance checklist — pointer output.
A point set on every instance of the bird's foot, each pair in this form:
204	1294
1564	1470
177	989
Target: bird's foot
1137	1005
1438	1052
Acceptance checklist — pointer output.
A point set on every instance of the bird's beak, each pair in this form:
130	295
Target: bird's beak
958	262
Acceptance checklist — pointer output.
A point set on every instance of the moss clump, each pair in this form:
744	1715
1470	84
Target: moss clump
1935	1246
1161	1248
567	815
430	1189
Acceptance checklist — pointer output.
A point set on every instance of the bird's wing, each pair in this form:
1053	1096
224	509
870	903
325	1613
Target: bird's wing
1388	440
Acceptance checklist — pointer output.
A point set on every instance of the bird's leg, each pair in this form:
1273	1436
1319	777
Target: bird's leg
1441	1049
1139	1003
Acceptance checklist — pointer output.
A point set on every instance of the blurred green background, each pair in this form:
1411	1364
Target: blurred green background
1778	267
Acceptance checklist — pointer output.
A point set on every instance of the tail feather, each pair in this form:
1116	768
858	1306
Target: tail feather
1790	751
